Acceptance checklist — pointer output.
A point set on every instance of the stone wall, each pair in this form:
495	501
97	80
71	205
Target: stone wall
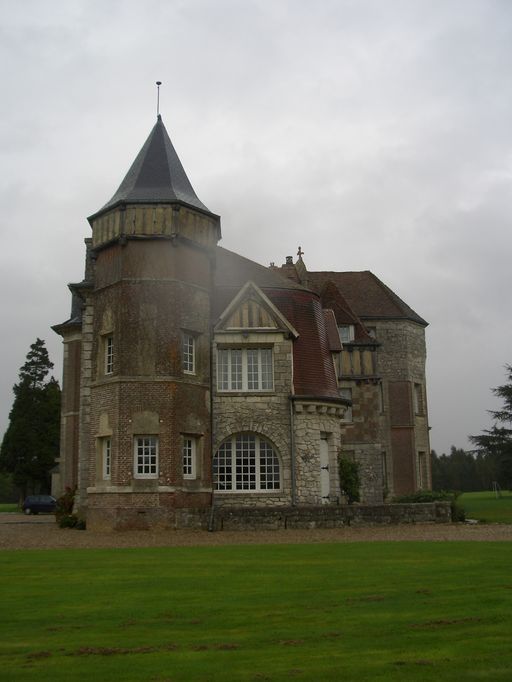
331	516
132	517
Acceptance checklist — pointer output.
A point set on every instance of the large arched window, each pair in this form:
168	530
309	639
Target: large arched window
246	462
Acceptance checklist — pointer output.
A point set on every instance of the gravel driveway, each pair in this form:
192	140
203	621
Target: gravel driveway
40	532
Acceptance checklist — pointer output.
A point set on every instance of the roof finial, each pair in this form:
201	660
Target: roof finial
158	84
300	252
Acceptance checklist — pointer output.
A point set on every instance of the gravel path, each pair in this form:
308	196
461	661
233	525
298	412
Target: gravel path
41	532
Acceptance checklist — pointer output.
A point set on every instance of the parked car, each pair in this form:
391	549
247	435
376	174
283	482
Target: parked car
39	503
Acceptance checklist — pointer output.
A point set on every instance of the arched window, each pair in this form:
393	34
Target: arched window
246	462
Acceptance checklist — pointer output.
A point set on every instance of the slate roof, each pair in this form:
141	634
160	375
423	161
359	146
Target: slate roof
156	176
367	296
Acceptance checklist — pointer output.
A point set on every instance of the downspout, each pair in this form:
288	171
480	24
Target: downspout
211	517
292	455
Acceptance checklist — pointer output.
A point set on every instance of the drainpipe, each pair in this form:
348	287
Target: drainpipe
292	455
211	518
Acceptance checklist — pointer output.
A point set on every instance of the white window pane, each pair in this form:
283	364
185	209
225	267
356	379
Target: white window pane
236	370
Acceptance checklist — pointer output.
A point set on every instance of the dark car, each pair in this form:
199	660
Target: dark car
39	503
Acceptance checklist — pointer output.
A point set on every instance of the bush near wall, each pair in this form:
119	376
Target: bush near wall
422	496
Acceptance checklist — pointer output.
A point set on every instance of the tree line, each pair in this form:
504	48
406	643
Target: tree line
491	460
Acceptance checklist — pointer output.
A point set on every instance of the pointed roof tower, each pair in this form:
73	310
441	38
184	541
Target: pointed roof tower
155	177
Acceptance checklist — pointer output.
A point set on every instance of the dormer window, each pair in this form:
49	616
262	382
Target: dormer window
346	332
245	369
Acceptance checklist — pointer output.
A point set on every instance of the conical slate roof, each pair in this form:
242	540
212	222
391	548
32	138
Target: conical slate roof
156	176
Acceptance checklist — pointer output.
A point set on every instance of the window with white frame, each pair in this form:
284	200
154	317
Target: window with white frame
189	457
347	394
246	462
346	332
245	369
146	457
107	458
188	348
109	354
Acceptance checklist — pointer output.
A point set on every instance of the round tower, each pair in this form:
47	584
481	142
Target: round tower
145	378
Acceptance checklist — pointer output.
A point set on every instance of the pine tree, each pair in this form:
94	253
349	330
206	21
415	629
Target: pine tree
497	441
31	442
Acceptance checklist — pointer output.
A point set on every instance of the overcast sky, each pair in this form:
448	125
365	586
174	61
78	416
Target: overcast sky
377	134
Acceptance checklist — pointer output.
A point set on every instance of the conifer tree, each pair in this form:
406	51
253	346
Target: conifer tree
31	442
497	441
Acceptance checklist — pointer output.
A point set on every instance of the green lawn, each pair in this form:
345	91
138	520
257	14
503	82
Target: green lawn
370	611
9	507
485	506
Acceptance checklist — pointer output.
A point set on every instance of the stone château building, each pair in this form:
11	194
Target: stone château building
194	377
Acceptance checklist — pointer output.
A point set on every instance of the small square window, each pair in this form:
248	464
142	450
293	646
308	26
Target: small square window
189	353
346	332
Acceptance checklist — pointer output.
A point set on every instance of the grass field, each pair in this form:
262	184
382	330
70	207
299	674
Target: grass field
361	611
485	506
9	508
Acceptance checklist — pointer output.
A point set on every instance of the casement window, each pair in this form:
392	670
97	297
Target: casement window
245	369
146	457
106	447
109	354
188	349
189	457
246	463
418	399
346	332
347	393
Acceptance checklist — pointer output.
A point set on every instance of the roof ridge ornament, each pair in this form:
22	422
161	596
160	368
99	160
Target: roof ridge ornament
158	84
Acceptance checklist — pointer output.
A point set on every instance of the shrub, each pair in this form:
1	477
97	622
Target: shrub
458	513
350	481
68	521
64	511
65	504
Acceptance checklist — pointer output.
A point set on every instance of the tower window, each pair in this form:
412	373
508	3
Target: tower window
146	456
189	457
418	399
189	353
107	458
109	354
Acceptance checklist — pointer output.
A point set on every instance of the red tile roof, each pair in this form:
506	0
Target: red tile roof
367	296
313	368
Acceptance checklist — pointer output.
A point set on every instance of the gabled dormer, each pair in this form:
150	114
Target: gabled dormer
253	342
253	312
